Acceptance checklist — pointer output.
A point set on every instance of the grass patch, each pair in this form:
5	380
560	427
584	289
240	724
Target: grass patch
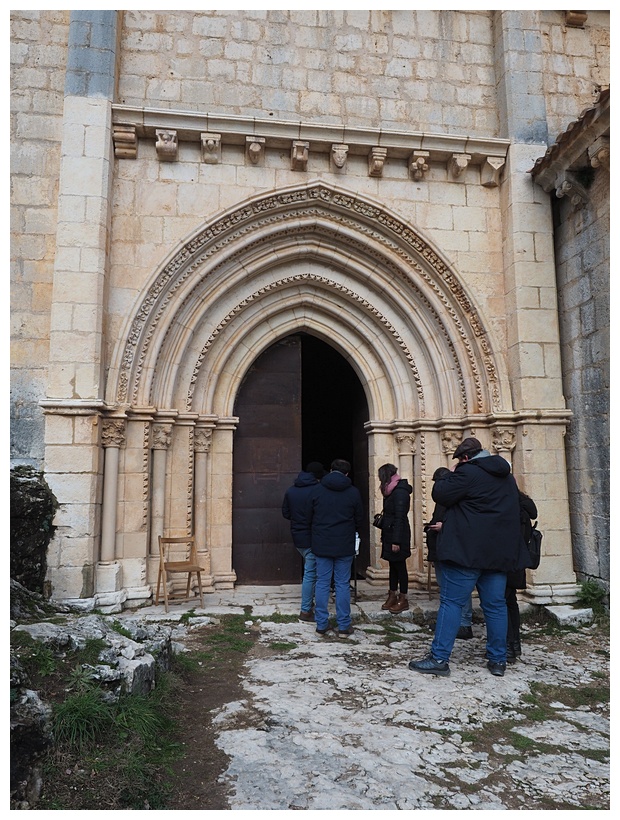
278	618
282	646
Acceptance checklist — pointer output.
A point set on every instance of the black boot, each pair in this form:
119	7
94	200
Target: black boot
511	655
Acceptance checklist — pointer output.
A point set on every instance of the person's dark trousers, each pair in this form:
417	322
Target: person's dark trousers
399	579
340	569
513	633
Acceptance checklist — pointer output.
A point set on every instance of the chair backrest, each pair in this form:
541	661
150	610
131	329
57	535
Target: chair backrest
177	548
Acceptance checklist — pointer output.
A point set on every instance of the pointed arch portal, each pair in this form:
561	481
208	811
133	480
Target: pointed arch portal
338	273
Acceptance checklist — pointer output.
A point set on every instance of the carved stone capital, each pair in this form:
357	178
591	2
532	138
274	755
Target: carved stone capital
450	440
490	171
406	443
599	153
458	163
125	141
166	145
255	150
418	165
161	436
202	440
300	152
338	158
211	148
504	439
113	433
376	161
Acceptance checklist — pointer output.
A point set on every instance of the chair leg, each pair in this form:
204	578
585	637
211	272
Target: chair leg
202	600
188	587
165	583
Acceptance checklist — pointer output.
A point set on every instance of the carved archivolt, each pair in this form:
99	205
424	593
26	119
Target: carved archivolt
371	230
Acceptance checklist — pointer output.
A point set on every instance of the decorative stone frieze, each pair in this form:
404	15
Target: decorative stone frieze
458	163
211	148
166	145
490	171
338	158
125	141
113	433
300	152
599	153
418	165
376	161
255	151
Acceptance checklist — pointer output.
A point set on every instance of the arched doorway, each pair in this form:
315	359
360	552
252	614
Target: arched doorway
300	401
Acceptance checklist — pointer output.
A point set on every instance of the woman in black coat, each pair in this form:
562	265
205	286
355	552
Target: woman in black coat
395	535
516	580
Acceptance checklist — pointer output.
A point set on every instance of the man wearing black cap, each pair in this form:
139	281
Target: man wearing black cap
480	541
293	508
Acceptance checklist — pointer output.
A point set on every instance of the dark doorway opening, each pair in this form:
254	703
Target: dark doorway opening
300	401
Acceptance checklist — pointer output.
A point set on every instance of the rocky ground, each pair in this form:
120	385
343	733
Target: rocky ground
306	722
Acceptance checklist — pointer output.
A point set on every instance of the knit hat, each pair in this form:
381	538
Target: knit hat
468	447
317	469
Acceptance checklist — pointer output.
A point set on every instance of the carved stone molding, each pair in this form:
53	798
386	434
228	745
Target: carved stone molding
458	163
113	433
255	150
211	148
166	145
599	153
338	158
300	152
490	171
418	165
376	161
125	141
161	436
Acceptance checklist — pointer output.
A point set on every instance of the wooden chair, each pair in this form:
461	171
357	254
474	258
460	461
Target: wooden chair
188	565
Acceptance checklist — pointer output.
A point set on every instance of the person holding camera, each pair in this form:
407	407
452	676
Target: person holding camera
395	535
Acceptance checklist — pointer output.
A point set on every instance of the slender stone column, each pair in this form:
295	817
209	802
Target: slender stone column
380	451
406	447
161	437
220	503
109	577
202	445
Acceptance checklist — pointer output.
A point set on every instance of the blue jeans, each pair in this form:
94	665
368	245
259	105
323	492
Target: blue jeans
457	586
309	580
340	568
467	613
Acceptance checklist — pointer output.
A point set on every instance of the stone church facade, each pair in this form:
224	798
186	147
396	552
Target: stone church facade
247	240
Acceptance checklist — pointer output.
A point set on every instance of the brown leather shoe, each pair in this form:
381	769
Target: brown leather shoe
401	604
391	599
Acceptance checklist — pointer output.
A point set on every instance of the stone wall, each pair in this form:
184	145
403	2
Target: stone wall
582	249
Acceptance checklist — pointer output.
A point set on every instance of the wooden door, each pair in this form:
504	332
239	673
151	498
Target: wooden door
266	461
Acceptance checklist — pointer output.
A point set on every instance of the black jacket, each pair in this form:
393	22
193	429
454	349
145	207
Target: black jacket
396	529
481	528
527	513
439	513
335	513
294	508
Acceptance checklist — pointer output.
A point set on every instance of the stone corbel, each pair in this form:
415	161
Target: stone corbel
418	165
567	185
376	161
211	148
458	163
255	150
166	145
299	155
576	19
125	141
490	171
338	158
599	152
